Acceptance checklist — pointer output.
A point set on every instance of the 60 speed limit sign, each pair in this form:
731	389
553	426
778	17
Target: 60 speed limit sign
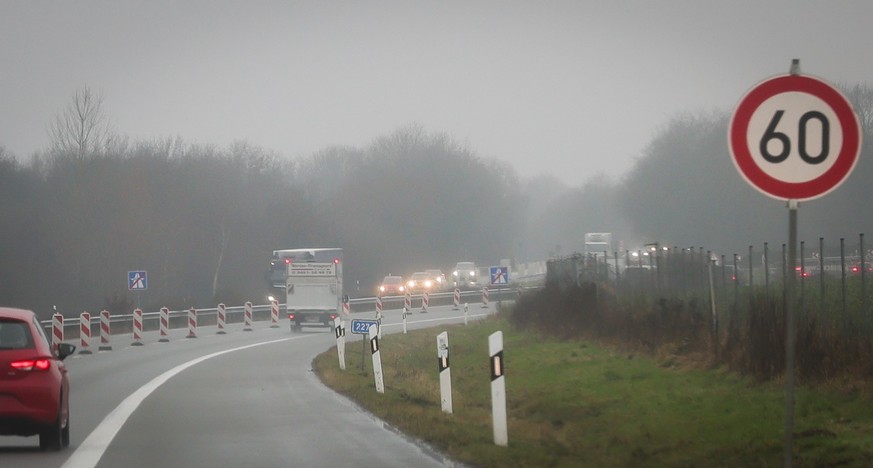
794	137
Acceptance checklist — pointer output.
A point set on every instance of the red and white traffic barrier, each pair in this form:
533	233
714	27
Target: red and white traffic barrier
484	297
222	319
85	333
457	299
274	314
192	323
378	307
137	327
425	302
105	331
346	311
57	330
248	317
407	302
165	325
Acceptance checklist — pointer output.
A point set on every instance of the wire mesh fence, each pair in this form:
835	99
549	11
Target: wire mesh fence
741	297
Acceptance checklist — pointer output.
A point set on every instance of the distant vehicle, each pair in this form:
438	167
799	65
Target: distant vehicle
314	286
465	275
441	282
599	243
392	286
34	387
420	282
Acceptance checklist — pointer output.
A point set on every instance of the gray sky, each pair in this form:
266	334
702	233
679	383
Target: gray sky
568	88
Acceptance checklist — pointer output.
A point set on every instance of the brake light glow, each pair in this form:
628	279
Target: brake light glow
291	316
287	261
332	316
32	364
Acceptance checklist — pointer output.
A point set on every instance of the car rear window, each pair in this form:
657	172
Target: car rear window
14	334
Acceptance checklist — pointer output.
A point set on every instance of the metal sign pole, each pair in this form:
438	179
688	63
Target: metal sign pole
789	330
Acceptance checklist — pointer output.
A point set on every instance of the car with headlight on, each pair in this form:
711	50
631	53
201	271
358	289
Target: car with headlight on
34	387
420	282
392	286
465	275
440	281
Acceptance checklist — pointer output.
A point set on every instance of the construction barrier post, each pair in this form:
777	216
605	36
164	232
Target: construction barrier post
85	333
57	330
165	325
192	323
274	314
105	331
425	302
222	319
248	317
137	327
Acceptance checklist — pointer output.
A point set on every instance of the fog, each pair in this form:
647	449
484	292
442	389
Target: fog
412	135
565	88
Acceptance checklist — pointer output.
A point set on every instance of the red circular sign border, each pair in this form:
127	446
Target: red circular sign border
833	177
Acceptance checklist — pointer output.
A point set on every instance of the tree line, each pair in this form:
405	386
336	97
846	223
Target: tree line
203	220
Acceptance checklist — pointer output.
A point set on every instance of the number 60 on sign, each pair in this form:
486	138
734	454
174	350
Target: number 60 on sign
794	137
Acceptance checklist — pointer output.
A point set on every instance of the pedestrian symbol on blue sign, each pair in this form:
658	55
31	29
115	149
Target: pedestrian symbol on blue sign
137	281
500	275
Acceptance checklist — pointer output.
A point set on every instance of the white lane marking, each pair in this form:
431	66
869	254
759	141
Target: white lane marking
88	454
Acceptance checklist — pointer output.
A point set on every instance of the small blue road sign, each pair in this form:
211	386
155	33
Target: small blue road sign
362	327
137	281
500	275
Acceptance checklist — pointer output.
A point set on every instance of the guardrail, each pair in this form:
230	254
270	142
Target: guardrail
123	323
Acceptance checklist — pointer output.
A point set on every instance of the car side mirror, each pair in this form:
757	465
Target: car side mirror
65	349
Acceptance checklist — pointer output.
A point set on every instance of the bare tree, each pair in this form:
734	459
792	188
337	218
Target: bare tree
83	128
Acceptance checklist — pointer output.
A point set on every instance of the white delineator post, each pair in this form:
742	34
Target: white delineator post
445	372
137	327
457	299
57	330
339	329
466	313
498	389
377	359
222	319
105	331
165	325
274	314
484	297
85	332
192	323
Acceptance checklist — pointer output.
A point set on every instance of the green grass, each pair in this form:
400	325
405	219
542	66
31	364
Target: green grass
575	403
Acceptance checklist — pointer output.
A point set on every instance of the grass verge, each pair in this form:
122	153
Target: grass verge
575	403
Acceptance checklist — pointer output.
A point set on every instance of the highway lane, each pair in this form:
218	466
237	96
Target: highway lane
240	408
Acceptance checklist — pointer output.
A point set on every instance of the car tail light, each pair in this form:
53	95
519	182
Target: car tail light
332	316
291	316
32	364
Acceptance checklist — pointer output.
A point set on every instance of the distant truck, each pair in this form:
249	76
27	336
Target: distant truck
599	243
314	286
465	275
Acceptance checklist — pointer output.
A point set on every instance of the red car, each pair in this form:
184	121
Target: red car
34	388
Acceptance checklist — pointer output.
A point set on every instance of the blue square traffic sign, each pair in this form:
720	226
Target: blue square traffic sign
500	275
137	281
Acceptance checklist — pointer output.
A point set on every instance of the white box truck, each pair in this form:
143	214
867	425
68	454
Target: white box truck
314	287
